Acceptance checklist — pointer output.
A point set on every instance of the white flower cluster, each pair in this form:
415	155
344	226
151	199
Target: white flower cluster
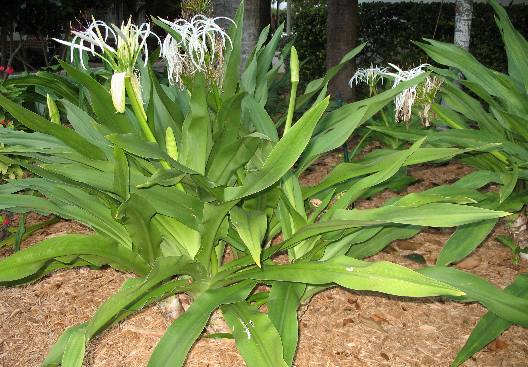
198	46
119	47
404	101
370	76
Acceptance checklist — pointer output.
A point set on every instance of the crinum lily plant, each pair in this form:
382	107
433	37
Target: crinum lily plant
189	186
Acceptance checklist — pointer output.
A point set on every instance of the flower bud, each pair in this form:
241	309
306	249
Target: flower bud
170	144
117	88
53	110
294	65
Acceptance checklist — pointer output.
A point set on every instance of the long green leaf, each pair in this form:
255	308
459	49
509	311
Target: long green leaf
31	259
173	347
196	130
256	338
74	351
251	226
40	124
283	302
502	304
56	352
433	215
282	157
490	326
465	239
356	274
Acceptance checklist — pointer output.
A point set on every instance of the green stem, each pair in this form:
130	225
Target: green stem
291	107
141	116
11	240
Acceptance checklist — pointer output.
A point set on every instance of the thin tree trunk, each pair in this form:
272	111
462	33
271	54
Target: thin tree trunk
3	44
463	16
341	33
289	17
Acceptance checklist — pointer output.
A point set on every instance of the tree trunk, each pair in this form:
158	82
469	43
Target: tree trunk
264	14
289	17
463	15
341	34
252	21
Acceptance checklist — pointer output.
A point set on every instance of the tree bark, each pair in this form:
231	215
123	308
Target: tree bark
252	20
341	33
264	14
289	17
463	16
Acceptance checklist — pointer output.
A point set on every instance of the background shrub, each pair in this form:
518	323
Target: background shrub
390	28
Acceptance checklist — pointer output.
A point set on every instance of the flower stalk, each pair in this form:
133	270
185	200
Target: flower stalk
294	71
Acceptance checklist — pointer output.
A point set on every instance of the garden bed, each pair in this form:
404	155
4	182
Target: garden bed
338	327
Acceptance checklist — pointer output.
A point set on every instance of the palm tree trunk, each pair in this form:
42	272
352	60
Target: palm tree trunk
463	16
341	35
252	20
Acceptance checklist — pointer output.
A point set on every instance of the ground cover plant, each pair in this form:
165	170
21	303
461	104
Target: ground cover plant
188	184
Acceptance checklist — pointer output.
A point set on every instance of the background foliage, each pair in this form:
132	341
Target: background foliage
389	28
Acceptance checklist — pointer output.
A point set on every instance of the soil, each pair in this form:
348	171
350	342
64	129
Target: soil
338	327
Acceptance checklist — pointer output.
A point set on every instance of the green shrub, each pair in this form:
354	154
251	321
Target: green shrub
389	29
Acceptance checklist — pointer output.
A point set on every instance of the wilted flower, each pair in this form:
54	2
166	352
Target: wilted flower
119	47
426	96
199	47
405	100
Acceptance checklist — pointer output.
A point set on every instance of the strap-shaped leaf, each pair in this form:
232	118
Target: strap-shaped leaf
162	269
432	215
502	304
73	355
356	274
40	124
347	171
490	326
465	239
256	338
173	347
196	130
56	352
121	174
251	226
31	259
515	44
232	58
283	302
357	188
282	157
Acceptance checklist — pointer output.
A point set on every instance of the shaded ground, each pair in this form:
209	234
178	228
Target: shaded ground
338	328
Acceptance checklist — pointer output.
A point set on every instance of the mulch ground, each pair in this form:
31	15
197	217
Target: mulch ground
338	327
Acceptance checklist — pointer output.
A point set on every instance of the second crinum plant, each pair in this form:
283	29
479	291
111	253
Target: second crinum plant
217	177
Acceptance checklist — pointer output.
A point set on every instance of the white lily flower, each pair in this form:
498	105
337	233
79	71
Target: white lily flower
199	47
119	47
370	76
405	100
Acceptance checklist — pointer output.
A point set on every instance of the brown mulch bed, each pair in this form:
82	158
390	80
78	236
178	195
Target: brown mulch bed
338	327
